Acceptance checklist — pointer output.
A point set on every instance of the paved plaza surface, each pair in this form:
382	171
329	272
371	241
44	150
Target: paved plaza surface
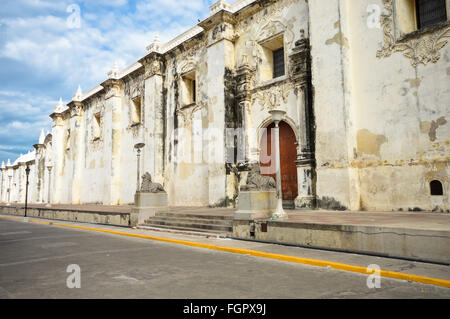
34	259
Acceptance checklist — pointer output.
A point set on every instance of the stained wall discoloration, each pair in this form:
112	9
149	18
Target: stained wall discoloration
369	143
431	128
339	38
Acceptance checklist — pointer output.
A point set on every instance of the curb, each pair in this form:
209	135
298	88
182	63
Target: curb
298	260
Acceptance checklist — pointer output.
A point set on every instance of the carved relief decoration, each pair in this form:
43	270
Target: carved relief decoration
424	48
187	113
76	109
113	89
155	67
274	27
134	87
187	66
272	97
264	15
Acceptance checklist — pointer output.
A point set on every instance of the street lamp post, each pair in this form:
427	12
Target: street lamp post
138	148
277	116
27	172
49	168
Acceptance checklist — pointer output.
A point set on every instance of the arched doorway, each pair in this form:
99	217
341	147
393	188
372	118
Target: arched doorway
288	156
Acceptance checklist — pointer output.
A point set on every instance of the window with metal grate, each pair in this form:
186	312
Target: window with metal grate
278	63
430	12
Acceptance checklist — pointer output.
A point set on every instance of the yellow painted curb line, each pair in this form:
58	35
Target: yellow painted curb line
298	260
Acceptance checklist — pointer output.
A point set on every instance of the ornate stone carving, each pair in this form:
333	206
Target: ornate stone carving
423	48
262	16
300	61
274	27
187	113
148	186
113	88
243	80
76	109
257	182
187	66
272	97
153	68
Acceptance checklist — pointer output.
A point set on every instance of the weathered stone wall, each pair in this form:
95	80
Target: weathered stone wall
382	131
376	132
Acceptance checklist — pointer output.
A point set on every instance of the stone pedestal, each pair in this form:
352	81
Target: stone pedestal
147	205
256	205
306	198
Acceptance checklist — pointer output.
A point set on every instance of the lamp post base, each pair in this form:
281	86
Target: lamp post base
279	211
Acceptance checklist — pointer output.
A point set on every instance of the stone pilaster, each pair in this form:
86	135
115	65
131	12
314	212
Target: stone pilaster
220	59
58	155
39	172
154	116
300	63
77	126
2	185
113	136
243	99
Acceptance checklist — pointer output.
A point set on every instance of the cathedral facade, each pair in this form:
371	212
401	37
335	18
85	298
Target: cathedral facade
365	86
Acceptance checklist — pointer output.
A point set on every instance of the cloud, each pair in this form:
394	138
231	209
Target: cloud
42	58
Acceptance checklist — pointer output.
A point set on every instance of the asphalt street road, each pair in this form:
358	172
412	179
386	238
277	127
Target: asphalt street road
34	259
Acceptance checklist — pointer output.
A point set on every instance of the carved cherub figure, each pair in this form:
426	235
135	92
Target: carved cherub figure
148	186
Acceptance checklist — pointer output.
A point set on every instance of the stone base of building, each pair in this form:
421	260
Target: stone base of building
147	205
256	205
305	202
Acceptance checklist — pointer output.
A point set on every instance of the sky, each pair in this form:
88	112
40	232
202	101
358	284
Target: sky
49	47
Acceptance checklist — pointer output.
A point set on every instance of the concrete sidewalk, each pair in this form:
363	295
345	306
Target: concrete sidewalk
410	220
416	235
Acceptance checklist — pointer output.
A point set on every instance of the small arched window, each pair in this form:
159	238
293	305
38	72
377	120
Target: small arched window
436	188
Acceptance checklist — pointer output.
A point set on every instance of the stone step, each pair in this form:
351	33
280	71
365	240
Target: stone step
191	225
193	220
194	216
197	230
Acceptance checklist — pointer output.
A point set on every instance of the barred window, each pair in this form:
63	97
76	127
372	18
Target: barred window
278	63
430	12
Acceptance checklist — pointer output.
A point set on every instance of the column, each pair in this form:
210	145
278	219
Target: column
300	64
113	136
220	59
154	117
77	127
305	157
2	188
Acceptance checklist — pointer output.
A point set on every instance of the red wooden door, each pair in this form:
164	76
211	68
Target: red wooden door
288	156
